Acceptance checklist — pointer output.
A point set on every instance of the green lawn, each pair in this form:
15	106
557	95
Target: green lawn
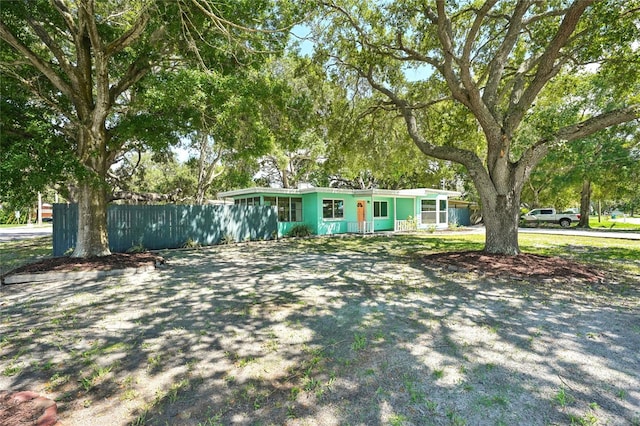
607	223
16	253
18	225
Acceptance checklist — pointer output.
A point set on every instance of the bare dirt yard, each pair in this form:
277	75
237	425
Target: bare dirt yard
328	332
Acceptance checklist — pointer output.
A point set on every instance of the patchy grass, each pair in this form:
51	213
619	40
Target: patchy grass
592	249
586	249
20	252
332	331
607	252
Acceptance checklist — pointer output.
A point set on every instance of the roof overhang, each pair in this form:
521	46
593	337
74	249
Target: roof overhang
417	192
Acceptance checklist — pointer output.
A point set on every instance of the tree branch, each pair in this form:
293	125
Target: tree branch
547	67
144	197
32	86
414	55
52	45
534	154
130	36
66	15
467	158
87	18
475	28
599	122
463	88
135	72
497	64
446	40
36	61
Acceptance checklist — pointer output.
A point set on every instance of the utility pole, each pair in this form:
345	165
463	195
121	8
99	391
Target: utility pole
39	208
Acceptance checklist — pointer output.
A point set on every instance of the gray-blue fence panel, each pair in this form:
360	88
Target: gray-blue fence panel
65	227
168	226
461	217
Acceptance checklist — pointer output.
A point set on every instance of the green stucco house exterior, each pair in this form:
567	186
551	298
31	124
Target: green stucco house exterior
330	211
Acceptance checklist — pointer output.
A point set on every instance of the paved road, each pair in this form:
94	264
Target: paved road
629	235
24	232
625	235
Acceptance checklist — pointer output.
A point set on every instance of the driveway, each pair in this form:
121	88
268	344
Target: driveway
24	232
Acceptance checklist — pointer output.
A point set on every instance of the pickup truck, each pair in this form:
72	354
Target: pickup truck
550	215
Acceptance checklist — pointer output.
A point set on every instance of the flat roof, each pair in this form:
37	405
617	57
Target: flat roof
416	192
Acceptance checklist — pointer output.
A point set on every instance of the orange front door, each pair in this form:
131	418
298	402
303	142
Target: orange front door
361	215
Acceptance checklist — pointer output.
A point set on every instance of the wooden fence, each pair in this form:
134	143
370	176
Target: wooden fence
460	216
168	226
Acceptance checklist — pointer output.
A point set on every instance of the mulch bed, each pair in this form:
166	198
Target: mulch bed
27	409
523	266
102	263
530	267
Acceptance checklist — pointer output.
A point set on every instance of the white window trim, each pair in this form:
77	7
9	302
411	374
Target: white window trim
333	219
291	210
277	206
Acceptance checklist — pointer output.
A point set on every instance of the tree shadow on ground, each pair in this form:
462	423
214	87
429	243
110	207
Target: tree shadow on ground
291	333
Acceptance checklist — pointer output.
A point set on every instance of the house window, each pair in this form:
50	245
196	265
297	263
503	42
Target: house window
443	211
284	209
332	209
250	201
380	209
428	211
289	208
296	209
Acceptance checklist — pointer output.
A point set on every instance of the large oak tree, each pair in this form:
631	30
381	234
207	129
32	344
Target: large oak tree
494	58
85	61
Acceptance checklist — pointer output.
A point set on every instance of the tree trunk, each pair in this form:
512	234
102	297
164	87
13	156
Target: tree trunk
205	179
285	173
585	204
200	193
501	217
500	192
92	238
536	195
209	164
